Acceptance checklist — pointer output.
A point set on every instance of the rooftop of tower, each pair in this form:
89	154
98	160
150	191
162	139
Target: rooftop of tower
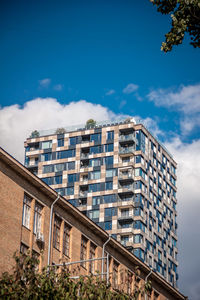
106	123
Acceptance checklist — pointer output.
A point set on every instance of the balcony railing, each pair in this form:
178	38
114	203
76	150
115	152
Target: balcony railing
83	194
84	155
126	138
126	150
129	187
125	176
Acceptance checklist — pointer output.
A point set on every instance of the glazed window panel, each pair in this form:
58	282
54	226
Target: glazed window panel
83	254
26	211
56	233
37	217
115	275
66	240
92	256
46	145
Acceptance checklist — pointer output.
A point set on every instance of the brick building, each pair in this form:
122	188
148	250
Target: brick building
26	203
120	176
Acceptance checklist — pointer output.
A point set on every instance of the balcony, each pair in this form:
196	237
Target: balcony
125	217
83	194
125	188
84	155
126	150
125	175
127	138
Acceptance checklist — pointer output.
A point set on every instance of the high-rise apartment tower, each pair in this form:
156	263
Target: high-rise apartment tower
121	177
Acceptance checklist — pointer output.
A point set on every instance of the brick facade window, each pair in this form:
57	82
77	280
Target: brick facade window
23	248
37	218
92	256
115	275
66	239
26	211
56	233
83	253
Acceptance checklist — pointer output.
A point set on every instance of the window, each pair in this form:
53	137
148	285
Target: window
108	147
139	253
59	167
124	239
46	156
110	135
48	169
125	212
65	154
126	159
95	162
71	165
108	185
37	218
109	198
60	142
95	175
159	255
108	225
115	275
137	238
66	239
56	233
60	191
126	224
111	173
53	180
93	214
110	212
92	256
83	253
69	191
96	137
138	159
26	211
94	187
72	177
95	149
73	140
96	200
108	160
23	248
46	145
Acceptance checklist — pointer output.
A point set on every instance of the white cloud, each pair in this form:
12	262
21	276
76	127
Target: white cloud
186	100
16	123
130	88
58	87
44	83
110	92
188	158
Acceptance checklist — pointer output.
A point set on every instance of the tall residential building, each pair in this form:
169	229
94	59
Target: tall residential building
120	176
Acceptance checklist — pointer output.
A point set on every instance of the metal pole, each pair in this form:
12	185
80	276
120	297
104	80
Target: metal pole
145	296
77	262
103	250
50	230
107	271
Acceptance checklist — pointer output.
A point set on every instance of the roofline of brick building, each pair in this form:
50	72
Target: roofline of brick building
44	188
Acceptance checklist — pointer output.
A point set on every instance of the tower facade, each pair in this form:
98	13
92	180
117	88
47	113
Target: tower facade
122	178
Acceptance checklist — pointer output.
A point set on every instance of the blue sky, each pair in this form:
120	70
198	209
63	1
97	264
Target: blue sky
55	53
87	48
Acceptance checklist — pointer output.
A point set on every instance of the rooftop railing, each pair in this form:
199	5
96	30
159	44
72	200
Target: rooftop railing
99	125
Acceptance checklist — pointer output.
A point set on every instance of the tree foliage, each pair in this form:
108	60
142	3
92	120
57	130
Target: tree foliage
35	134
90	123
27	283
185	15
